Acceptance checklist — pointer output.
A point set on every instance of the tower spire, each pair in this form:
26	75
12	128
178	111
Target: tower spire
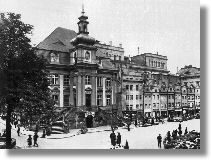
82	8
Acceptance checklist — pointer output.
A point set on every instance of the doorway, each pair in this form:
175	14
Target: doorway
88	100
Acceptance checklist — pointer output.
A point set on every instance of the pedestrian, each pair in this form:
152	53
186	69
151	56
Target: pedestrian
128	126
29	140
44	133
176	132
18	131
113	139
186	130
136	123
15	123
159	139
118	139
126	145
35	137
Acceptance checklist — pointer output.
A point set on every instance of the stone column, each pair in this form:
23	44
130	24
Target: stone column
104	97
94	91
71	89
61	95
83	100
78	91
113	98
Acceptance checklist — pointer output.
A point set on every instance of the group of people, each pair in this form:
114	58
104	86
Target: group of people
116	140
35	138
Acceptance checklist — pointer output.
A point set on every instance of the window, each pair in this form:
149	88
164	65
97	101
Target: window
66	79
55	79
54	57
108	82
127	87
157	105
136	97
131	107
108	99
137	106
87	80
141	106
158	97
56	98
136	87
140	97
131	97
87	55
99	81
153	96
66	100
158	64
127	107
127	97
99	99
131	87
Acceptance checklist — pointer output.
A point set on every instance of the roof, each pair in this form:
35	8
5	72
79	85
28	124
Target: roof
189	71
58	40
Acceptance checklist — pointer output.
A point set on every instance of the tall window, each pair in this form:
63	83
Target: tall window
87	80
127	97
108	99
66	100
55	79
66	79
108	82
99	81
136	87
136	97
54	57
127	87
99	99
131	97
131	87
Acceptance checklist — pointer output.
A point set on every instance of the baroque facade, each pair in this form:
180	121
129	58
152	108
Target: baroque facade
91	76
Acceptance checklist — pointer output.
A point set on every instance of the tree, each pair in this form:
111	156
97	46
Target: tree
23	83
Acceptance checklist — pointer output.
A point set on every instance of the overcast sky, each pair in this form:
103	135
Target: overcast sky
170	27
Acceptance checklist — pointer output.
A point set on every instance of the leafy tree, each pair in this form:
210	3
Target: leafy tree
23	83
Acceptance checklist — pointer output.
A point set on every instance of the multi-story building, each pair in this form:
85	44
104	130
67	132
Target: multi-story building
92	76
80	76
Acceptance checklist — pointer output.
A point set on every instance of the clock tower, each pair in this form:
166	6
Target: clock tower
83	57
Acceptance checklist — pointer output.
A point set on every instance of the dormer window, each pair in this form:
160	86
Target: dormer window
54	57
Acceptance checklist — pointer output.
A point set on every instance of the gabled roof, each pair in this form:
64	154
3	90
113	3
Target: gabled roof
58	40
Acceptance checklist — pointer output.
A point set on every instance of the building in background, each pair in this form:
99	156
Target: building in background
91	76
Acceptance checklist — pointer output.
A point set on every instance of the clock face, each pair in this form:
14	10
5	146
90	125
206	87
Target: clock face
87	55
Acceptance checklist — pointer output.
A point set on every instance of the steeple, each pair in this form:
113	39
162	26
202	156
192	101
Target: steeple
83	23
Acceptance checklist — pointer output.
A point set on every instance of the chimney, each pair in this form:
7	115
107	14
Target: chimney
138	50
110	43
120	45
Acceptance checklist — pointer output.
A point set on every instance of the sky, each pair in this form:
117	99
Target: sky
169	27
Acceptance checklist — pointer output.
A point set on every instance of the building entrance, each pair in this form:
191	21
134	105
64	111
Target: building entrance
89	121
88	100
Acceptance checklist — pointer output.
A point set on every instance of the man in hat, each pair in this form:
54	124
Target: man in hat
159	139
